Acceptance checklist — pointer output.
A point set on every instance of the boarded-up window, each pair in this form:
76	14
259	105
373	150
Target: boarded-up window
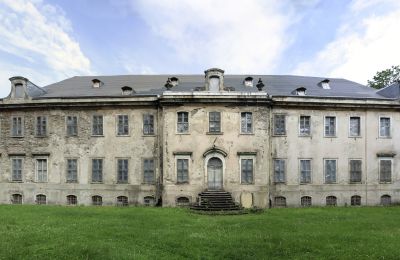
97	200
97	125
183	122
16	199
330	171
41	170
123	170
330	126
305	171
280	201
246	122
148	124
385	170
305	126
355	200
331	201
215	122
17	126
148	171
122	201
386	200
247	171
355	126
355	171
41	126
306	201
40	199
97	170
72	200
123	125
182	170
72	170
279	170
16	164
279	125
384	127
72	125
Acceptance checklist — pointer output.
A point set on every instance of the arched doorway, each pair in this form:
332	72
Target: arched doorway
214	173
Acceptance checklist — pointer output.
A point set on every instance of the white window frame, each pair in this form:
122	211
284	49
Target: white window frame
274	125
177	122
252	123
247	157
102	170
336	173
391	169
311	170
154	124
37	169
220	122
77	125
284	171
154	171
117	125
46	128
92	122
22	126
117	169
355	159
22	168
182	157
390	127
77	170
360	133
300	134
336	126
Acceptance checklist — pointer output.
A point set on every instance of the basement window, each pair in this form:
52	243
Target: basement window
306	201
386	200
16	199
72	200
41	199
182	202
280	201
122	201
355	200
97	200
149	201
331	201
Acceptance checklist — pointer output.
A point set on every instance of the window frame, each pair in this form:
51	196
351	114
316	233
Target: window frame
350	172
305	205
280	199
246	131
300	171
151	124
180	123
20	199
355	200
40	202
67	126
331	197
118	159
274	129
22	169
211	130
97	202
92	170
391	170
275	180
253	159
335	128
182	157
38	133
69	202
359	127
153	182
37	159
336	171
22	126
97	124
390	128
67	169
117	125
309	126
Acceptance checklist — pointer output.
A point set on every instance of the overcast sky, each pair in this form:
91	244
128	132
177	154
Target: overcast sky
50	40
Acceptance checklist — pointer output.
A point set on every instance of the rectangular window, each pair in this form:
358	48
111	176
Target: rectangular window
97	125
17	124
355	126
123	170
305	126
41	170
246	122
215	122
305	171
330	126
72	125
279	170
97	170
72	170
148	171
41	126
183	122
355	170
247	171
182	170
384	127
330	170
279	125
123	125
16	165
148	124
385	170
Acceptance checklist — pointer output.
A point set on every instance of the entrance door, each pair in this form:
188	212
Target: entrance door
214	172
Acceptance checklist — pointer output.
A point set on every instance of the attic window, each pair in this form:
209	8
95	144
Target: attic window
126	91
301	91
214	83
248	82
97	83
325	84
19	90
174	81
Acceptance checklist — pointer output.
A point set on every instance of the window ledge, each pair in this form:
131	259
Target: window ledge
304	135
275	135
123	135
122	182
385	182
355	182
147	183
280	182
182	183
330	183
247	134
72	182
182	133
152	135
20	181
97	135
385	137
97	182
17	136
247	183
328	136
215	133
41	136
356	136
71	136
305	183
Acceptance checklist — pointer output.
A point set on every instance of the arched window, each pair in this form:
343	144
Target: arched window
122	201
182	201
149	201
97	200
331	201
40	199
72	200
355	200
306	201
386	200
280	201
16	199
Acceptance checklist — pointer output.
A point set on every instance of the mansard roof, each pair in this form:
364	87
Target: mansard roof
275	85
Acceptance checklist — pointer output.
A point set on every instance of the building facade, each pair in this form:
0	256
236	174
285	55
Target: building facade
146	140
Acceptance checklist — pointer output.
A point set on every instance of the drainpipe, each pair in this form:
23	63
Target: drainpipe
365	156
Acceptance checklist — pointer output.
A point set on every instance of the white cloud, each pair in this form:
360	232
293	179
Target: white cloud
363	45
38	33
238	36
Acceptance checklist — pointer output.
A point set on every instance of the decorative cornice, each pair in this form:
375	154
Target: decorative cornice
182	153
215	149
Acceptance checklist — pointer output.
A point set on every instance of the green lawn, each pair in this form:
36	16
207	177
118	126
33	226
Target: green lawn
51	232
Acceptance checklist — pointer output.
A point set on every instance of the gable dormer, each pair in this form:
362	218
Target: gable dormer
19	88
214	80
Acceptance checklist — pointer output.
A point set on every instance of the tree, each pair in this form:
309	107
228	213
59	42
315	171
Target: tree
385	78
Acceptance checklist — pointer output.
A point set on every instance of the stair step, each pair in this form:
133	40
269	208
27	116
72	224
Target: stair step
215	201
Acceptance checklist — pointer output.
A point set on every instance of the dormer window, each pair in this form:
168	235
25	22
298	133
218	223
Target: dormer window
301	91
19	90
126	91
97	83
325	84
174	81
214	84
248	82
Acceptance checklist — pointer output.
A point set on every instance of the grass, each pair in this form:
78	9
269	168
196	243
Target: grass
54	232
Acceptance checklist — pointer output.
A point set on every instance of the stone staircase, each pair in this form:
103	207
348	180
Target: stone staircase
215	201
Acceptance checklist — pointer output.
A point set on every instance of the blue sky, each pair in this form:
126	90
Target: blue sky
50	40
